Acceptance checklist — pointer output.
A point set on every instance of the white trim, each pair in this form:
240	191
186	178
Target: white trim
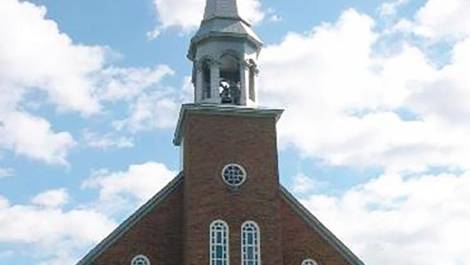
140	257
258	243
227	241
245	176
309	262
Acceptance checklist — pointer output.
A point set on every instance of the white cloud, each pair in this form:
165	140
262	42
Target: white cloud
36	58
3	202
106	141
347	103
127	83
440	20
51	198
390	8
4	254
149	111
6	172
35	54
33	137
350	104
44	226
53	233
140	182
187	14
303	184
446	97
423	218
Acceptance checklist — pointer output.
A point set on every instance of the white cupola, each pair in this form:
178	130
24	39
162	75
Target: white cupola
224	53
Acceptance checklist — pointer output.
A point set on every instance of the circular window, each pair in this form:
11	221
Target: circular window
309	262
140	260
234	175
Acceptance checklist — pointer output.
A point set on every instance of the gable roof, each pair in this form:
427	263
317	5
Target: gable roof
313	222
131	221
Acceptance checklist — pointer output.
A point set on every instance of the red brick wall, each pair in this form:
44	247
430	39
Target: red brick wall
176	232
210	142
300	241
158	236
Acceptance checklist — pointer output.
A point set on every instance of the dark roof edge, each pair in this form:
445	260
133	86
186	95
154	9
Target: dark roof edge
132	220
218	109
320	228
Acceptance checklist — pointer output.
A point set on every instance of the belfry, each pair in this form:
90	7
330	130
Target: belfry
224	52
226	207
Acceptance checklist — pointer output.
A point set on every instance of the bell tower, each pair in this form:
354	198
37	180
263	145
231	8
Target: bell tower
229	148
224	53
226	206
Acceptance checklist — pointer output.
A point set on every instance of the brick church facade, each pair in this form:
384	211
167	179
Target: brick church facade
227	205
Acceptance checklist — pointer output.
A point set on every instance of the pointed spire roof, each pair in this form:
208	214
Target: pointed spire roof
221	8
222	19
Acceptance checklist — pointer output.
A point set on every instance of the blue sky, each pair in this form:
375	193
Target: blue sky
374	140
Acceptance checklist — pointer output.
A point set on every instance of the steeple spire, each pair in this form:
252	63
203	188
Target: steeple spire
225	53
221	8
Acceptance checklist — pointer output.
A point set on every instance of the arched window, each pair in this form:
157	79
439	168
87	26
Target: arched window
230	77
219	247
309	262
140	260
230	68
251	254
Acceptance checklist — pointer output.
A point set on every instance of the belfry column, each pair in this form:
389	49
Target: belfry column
215	79
198	84
244	84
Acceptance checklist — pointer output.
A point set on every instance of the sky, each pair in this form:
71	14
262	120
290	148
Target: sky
375	139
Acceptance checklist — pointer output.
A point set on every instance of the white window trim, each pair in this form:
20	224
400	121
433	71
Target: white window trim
236	165
258	246
134	259
309	262
210	240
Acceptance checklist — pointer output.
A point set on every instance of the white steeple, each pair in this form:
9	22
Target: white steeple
221	8
225	53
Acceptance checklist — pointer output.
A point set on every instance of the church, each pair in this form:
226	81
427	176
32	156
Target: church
226	207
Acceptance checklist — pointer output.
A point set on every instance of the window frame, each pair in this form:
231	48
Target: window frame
244	245
242	169
309	261
213	244
140	256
